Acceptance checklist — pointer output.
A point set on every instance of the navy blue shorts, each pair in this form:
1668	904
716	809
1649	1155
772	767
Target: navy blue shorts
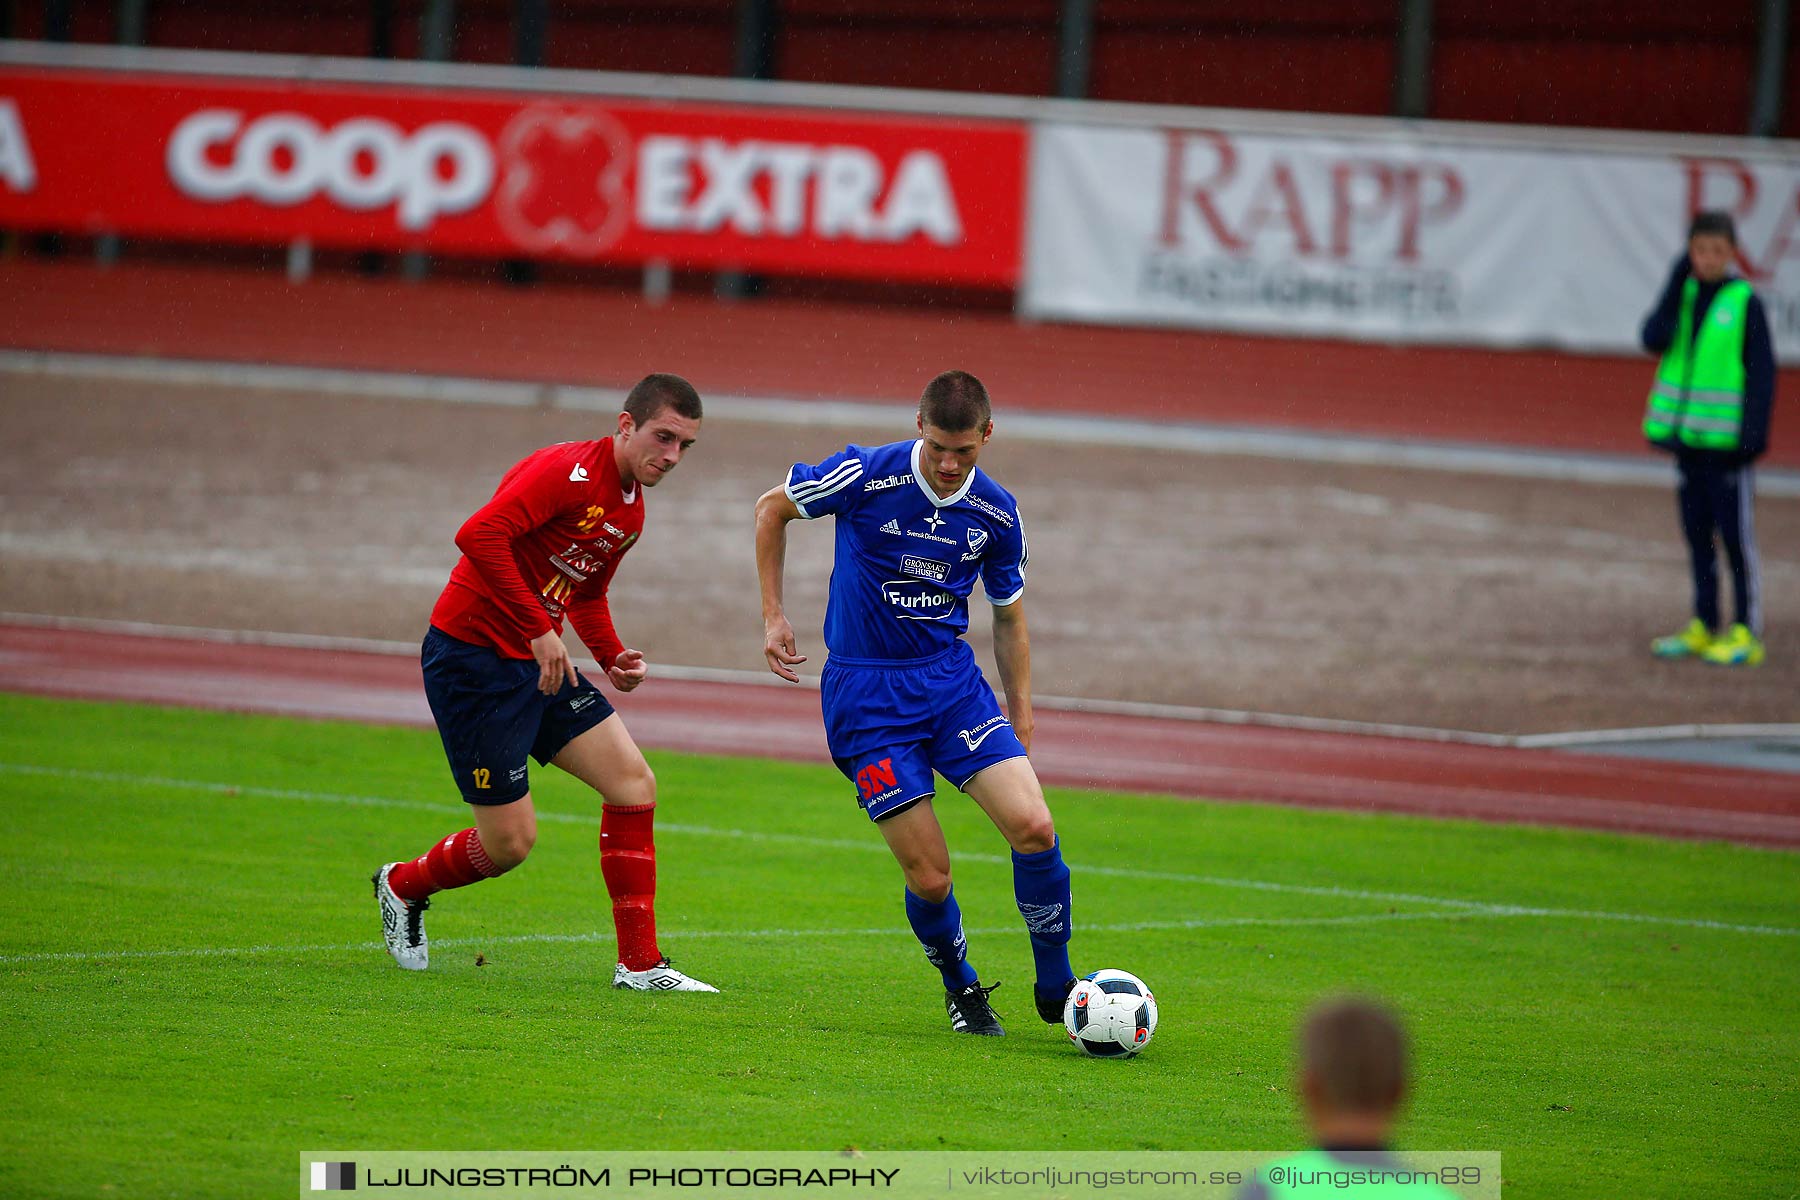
491	715
890	724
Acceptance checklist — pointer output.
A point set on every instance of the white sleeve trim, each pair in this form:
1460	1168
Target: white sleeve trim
832	482
789	491
1024	557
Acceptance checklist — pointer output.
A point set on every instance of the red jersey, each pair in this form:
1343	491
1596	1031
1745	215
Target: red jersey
544	547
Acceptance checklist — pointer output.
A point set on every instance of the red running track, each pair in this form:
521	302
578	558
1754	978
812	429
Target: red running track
568	334
1314	770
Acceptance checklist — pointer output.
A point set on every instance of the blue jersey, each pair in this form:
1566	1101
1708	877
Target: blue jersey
907	558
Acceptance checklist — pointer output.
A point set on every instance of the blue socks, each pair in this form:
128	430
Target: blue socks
939	928
1041	886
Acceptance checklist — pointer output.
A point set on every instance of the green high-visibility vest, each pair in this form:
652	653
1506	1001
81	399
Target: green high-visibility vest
1320	1175
1698	397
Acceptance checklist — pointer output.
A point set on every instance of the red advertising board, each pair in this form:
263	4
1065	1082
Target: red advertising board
513	175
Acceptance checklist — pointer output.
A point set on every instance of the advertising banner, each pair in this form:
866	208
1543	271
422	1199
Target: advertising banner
1384	239
491	174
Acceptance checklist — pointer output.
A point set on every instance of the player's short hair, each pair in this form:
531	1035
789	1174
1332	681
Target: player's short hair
1355	1051
955	401
1714	222
653	393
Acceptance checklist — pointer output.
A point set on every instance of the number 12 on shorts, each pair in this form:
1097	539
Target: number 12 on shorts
481	777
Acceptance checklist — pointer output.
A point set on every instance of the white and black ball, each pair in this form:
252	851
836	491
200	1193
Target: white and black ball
1110	1014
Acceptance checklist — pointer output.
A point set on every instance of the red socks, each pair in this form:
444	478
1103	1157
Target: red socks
628	862
457	861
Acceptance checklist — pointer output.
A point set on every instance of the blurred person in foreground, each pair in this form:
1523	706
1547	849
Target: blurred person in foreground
501	685
1710	407
918	523
1353	1079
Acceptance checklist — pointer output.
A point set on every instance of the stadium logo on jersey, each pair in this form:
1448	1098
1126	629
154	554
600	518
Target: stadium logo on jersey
924	568
892	527
977	540
886	482
993	510
915	600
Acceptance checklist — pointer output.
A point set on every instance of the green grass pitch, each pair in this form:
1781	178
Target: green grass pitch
195	989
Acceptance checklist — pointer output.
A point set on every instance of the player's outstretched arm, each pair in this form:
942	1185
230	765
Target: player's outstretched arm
1012	654
773	512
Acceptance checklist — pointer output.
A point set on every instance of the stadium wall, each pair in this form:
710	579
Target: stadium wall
1109	213
1602	63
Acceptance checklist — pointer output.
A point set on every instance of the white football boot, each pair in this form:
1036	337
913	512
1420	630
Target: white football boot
402	924
660	978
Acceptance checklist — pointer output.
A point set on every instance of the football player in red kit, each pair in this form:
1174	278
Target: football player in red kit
501	685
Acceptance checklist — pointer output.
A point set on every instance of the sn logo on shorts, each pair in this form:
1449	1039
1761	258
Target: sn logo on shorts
875	778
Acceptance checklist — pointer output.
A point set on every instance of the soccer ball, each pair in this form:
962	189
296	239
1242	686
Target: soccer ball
1110	1014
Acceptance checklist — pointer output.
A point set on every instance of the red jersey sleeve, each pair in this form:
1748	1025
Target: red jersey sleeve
524	503
591	616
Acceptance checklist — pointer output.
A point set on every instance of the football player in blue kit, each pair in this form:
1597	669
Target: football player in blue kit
917	525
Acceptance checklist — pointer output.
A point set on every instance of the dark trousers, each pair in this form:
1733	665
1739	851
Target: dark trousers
1716	502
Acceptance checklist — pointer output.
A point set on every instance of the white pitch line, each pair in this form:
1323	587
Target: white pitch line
1464	907
869	846
677	934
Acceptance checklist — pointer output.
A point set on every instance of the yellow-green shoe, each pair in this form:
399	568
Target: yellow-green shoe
1738	648
1696	639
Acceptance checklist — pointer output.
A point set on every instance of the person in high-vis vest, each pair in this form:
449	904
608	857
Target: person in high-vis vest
1353	1077
1709	406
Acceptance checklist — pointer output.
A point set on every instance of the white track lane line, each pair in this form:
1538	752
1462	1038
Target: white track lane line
1191	437
1122	708
1462	907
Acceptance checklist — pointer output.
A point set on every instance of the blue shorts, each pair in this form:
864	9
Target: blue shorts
490	715
890	724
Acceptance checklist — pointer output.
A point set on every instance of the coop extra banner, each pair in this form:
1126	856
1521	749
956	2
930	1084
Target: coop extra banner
511	175
1411	241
